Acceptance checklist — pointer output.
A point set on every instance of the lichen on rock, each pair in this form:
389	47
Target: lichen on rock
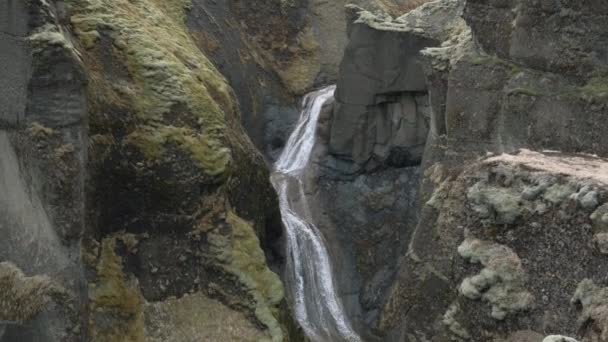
600	219
504	203
594	302
502	281
450	319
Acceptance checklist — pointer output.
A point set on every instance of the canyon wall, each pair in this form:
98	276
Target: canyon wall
135	204
507	240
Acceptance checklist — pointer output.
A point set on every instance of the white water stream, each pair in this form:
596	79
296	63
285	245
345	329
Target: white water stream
317	307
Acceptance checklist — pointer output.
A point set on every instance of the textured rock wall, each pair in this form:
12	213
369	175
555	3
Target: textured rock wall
42	132
122	173
506	248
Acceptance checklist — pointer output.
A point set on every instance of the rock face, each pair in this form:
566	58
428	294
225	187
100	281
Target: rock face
382	115
123	166
42	171
272	52
510	246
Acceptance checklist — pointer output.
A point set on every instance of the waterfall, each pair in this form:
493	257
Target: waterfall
309	275
28	237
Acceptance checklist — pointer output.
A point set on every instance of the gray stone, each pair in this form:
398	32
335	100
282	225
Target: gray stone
567	36
381	114
14	61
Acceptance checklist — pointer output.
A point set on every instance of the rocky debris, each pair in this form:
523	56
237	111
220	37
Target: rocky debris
195	317
502	282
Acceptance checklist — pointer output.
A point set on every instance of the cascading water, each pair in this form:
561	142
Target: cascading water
309	275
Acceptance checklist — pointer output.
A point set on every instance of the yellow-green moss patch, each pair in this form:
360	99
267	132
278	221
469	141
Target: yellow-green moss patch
173	83
243	257
116	303
212	157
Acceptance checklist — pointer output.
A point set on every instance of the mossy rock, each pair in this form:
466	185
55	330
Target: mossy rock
115	301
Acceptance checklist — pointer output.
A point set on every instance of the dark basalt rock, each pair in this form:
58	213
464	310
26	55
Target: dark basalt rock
567	37
509	75
42	174
380	116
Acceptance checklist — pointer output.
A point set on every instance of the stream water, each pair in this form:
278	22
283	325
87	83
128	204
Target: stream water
309	276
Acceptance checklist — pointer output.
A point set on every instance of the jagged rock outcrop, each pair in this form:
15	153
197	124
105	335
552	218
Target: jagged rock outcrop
503	244
382	114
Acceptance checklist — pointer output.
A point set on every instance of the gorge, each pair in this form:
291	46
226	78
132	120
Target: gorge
303	170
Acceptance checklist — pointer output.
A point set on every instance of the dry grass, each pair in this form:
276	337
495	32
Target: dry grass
399	7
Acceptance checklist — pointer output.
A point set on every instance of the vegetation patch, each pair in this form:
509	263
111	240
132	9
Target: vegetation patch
175	92
242	256
22	297
115	300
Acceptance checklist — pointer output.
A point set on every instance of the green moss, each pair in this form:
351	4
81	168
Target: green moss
116	303
40	131
596	87
49	35
173	83
241	255
212	157
248	262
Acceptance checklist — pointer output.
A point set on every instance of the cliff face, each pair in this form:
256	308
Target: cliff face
124	169
135	205
507	247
